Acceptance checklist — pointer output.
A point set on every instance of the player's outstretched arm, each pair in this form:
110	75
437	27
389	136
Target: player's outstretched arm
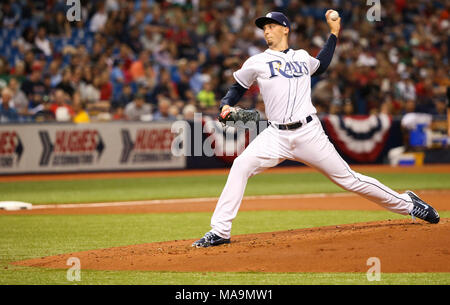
335	25
326	54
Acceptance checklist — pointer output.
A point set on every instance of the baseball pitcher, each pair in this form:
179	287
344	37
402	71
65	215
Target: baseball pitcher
295	132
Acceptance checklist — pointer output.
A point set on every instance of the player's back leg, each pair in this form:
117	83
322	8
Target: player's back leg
314	148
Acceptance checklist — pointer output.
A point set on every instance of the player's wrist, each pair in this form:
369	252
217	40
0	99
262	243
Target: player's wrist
335	33
222	107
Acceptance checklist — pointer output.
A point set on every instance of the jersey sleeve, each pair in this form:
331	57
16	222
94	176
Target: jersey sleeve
246	75
314	64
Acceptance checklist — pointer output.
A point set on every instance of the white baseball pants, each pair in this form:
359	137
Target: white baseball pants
310	145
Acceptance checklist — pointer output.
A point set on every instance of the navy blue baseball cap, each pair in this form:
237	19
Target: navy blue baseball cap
273	17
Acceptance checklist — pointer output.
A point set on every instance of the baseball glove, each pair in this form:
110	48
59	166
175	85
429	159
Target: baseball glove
237	114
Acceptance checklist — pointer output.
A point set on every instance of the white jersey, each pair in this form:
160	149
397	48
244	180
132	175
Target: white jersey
284	81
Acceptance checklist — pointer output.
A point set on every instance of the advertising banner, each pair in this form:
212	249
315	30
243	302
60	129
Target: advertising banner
87	147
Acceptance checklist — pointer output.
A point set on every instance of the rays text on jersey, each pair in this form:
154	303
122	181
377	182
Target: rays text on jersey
291	69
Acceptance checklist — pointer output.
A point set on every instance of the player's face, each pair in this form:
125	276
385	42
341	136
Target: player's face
274	33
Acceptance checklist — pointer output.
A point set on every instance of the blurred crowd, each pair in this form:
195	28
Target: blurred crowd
164	60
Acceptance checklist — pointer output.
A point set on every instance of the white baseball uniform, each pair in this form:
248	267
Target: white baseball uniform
284	80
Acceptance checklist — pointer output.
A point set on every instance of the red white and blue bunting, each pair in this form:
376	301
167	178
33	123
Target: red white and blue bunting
361	138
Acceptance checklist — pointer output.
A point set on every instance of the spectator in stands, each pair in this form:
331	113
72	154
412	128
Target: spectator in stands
133	41
143	90
81	115
189	112
19	99
60	106
9	17
405	89
105	87
348	108
97	94
99	19
322	94
25	42
440	107
125	97
149	79
137	68
112	5
163	112
88	92
29	59
7	113
138	110
119	114
4	72
195	77
18	71
42	42
183	87
174	112
117	78
55	74
151	37
165	87
66	83
206	96
34	88
58	25
47	80
28	10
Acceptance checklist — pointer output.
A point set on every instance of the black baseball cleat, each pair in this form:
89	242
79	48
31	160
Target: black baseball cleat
422	209
210	239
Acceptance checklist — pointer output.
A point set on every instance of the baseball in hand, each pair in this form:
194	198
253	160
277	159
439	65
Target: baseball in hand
334	15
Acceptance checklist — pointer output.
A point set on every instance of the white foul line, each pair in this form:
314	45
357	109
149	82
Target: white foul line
183	200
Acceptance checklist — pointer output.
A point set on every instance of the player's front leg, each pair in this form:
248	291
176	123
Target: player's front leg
229	202
262	153
244	166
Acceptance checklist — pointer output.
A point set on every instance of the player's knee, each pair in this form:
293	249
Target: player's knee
244	164
240	162
348	183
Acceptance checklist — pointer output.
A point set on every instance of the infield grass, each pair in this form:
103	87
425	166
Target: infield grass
130	189
35	276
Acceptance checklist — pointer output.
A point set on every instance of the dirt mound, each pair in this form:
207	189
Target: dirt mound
401	246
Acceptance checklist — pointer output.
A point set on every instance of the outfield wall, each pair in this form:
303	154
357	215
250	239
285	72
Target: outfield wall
202	143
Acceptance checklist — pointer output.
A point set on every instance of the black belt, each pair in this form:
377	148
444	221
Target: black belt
294	125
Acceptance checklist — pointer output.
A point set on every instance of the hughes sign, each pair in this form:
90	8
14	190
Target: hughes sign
93	147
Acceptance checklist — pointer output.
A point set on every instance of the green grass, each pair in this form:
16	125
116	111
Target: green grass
35	276
31	236
25	237
126	189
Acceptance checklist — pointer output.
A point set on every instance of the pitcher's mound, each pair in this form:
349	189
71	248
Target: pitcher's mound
400	245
